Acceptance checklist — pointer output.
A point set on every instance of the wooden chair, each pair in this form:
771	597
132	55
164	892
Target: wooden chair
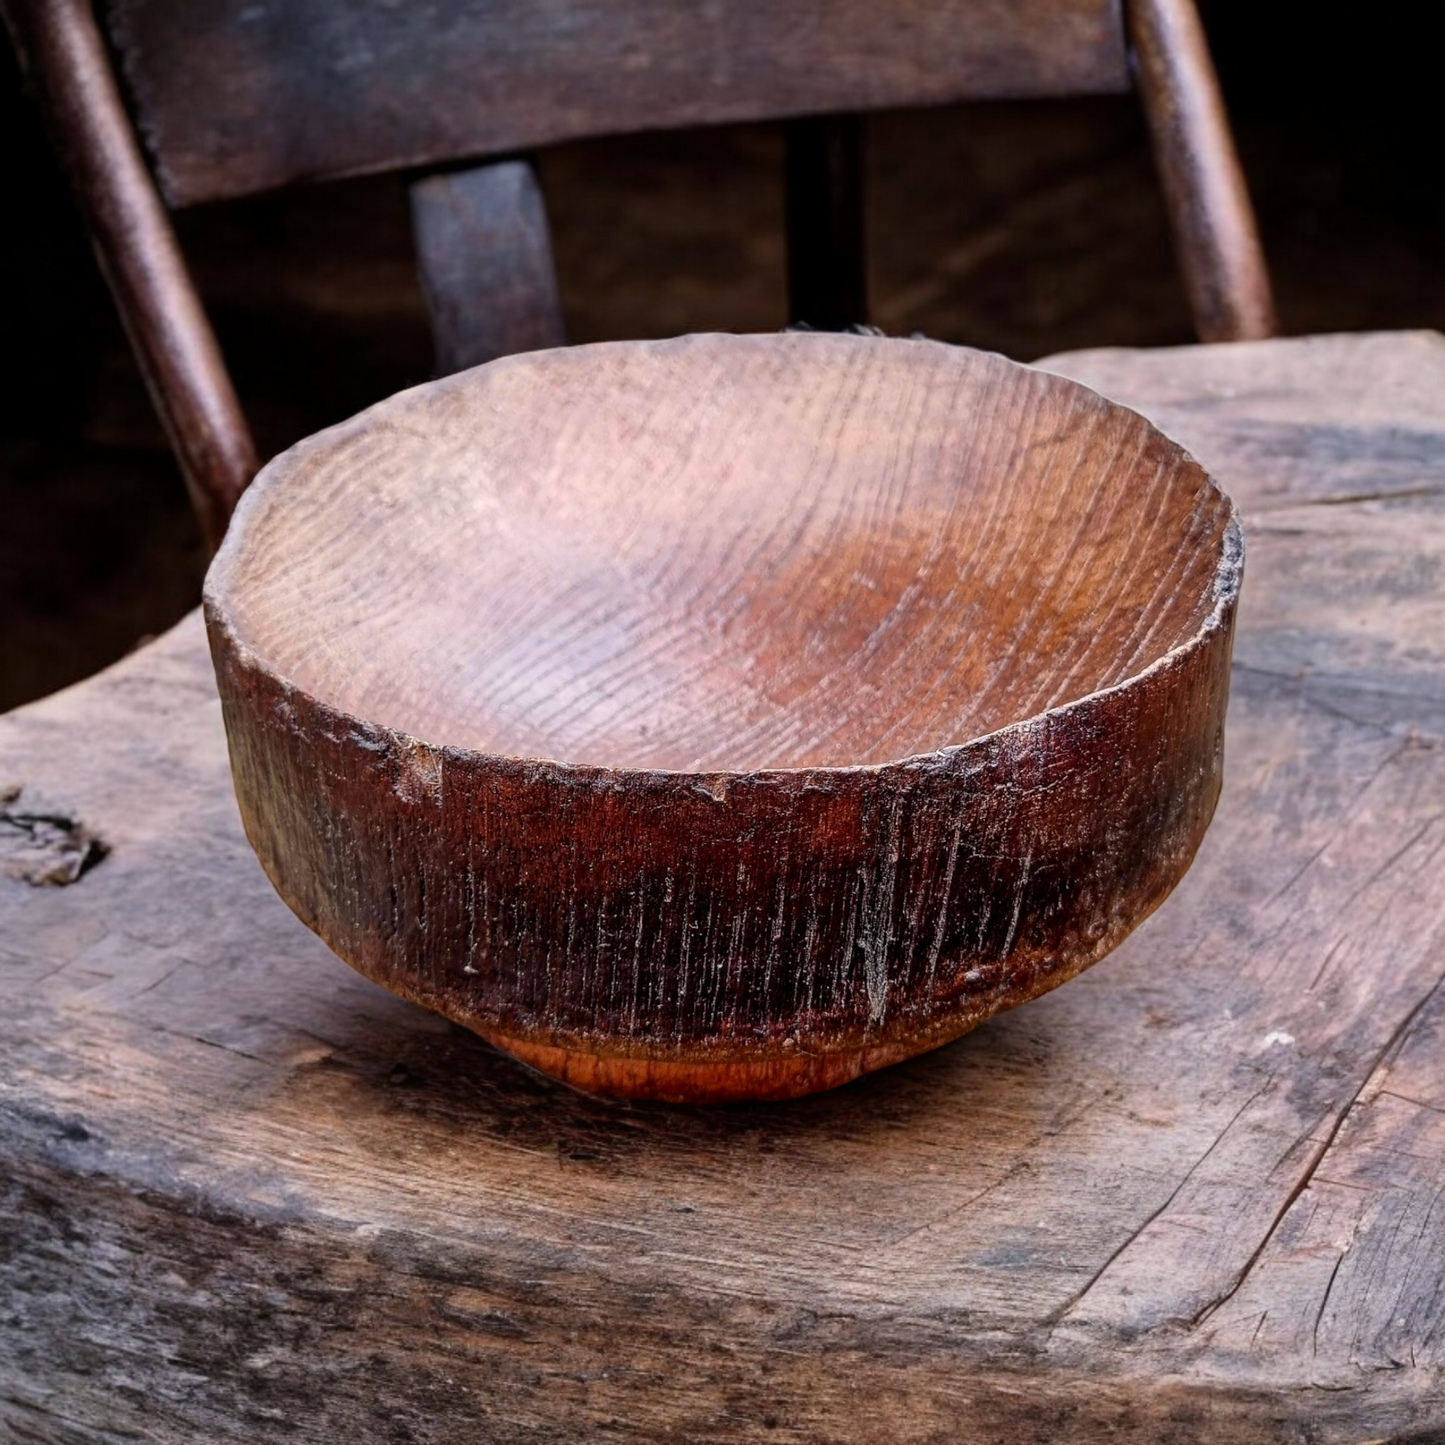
227	98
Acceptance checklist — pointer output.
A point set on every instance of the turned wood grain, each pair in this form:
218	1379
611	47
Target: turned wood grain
1192	1198
728	716
235	97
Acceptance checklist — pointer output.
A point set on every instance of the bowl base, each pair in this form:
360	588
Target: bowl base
784	1075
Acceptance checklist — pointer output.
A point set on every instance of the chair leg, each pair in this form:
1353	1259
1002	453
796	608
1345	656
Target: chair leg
827	283
139	254
485	258
1214	226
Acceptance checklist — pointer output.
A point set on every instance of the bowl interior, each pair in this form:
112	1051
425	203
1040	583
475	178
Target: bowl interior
724	553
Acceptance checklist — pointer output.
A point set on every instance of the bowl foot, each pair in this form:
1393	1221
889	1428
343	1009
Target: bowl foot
784	1075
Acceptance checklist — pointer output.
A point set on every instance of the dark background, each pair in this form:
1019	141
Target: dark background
1026	228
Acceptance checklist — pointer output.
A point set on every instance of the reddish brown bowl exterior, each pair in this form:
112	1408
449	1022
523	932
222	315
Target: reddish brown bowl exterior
705	937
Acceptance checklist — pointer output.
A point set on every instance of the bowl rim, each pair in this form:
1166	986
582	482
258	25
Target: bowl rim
1227	579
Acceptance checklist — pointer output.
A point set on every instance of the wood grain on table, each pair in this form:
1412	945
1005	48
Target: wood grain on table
1194	1195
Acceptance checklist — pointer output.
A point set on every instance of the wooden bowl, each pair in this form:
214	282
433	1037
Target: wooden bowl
725	717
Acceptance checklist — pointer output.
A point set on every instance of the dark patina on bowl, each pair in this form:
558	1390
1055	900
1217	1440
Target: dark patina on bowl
729	716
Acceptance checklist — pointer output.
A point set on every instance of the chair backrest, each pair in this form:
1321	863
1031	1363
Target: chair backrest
236	96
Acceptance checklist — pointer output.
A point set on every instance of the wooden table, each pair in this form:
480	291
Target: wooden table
1196	1195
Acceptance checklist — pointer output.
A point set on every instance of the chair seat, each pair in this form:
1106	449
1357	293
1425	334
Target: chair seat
243	1187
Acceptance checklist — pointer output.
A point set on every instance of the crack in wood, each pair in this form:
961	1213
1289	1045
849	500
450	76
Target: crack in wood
1077	1298
1381	1061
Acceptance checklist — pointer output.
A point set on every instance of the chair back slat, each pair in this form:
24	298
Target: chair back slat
484	255
237	96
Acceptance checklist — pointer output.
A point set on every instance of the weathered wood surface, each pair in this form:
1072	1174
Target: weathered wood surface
1193	1196
728	716
484	255
236	97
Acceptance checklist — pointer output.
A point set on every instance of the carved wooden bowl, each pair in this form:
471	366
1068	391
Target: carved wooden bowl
726	717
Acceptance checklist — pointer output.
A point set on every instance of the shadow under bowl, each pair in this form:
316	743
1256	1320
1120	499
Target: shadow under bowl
726	717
